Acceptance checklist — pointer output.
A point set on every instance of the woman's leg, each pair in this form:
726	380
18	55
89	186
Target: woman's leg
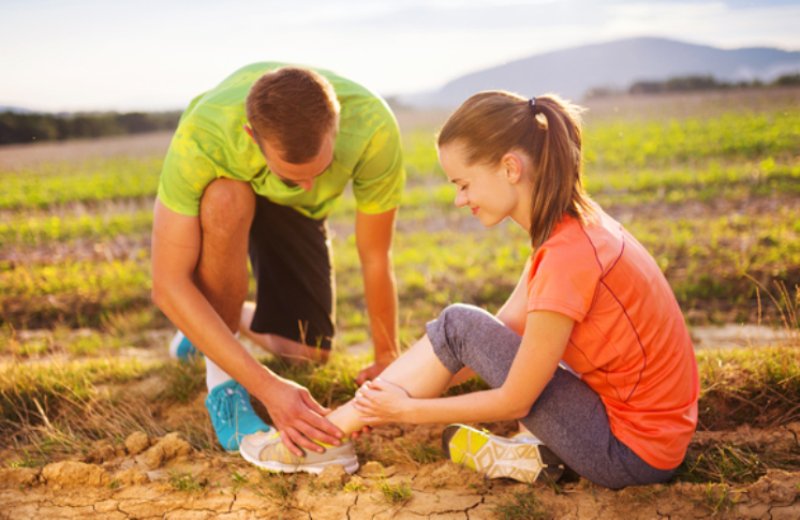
568	416
418	371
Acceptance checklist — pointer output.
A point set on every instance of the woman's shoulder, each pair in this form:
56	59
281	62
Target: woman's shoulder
598	239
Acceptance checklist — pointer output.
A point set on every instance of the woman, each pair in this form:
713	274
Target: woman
590	296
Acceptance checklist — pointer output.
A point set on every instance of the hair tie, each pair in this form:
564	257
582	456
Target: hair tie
532	103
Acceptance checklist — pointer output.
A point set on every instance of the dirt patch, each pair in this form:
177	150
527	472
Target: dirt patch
741	335
167	478
21	156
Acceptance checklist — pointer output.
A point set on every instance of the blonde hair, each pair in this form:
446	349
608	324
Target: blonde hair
547	129
294	109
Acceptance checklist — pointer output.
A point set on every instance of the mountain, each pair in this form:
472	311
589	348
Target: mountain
15	110
616	64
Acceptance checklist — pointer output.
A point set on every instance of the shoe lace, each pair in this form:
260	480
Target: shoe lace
232	403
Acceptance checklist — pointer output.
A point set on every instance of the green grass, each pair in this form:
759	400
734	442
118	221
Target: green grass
718	499
54	408
33	230
89	182
280	486
523	505
724	463
186	482
183	381
754	386
78	292
635	144
423	453
396	493
712	198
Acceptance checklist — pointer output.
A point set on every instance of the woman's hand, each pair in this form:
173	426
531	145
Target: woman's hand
381	402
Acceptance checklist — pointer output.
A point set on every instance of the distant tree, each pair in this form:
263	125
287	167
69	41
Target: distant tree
787	80
687	83
18	127
601	92
26	128
646	87
692	83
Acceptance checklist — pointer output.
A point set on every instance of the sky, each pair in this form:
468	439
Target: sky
85	55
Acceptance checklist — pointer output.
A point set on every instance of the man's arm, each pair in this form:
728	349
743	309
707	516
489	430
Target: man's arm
374	235
176	241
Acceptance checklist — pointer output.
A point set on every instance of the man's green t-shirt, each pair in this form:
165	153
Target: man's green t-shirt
210	143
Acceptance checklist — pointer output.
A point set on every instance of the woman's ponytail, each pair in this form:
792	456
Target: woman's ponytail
547	128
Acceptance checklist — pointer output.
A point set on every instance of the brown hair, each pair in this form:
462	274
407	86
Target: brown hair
492	123
294	109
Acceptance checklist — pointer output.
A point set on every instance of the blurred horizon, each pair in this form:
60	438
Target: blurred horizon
91	56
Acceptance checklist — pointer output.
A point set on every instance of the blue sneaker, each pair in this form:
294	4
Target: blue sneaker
181	348
232	414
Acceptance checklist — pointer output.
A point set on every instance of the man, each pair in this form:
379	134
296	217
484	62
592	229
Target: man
255	167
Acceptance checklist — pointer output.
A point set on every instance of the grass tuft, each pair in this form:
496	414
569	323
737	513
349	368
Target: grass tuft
183	481
423	453
395	493
523	506
749	386
722	464
183	380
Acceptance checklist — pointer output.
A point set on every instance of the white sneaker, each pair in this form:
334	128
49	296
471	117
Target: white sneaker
525	459
265	450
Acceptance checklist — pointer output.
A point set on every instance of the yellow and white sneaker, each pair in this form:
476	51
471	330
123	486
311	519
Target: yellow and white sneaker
523	459
265	450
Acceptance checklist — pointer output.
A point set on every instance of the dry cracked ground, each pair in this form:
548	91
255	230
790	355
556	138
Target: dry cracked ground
167	478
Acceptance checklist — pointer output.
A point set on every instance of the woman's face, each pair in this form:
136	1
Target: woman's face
487	190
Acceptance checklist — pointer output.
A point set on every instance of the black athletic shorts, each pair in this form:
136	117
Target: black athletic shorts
291	259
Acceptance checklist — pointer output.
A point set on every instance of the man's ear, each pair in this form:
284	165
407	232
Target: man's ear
512	164
249	131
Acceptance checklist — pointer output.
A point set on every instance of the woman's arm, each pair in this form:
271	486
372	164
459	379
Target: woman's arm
543	343
513	313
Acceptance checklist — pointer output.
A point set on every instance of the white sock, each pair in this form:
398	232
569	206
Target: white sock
215	376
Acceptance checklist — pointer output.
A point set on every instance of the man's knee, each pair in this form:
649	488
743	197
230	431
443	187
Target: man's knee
227	206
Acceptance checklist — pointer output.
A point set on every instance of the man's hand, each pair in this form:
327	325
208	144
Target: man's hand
299	417
371	372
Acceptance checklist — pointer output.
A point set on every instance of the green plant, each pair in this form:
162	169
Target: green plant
183	481
722	463
395	493
183	380
523	506
280	485
717	498
422	453
353	486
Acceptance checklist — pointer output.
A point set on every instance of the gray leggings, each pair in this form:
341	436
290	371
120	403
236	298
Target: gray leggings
568	416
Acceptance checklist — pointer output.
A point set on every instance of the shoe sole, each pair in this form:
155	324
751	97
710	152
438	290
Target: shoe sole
350	465
498	457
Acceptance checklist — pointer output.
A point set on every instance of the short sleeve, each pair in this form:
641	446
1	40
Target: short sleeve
563	279
186	172
379	177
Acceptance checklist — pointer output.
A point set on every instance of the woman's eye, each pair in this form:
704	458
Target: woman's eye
463	187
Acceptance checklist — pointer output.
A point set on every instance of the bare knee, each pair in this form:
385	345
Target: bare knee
227	207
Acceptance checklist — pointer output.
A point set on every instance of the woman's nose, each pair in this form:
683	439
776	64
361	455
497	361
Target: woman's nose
461	199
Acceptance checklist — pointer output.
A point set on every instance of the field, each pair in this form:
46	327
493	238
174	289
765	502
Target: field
96	420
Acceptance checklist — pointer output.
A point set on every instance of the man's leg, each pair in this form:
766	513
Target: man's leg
277	345
226	211
293	313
